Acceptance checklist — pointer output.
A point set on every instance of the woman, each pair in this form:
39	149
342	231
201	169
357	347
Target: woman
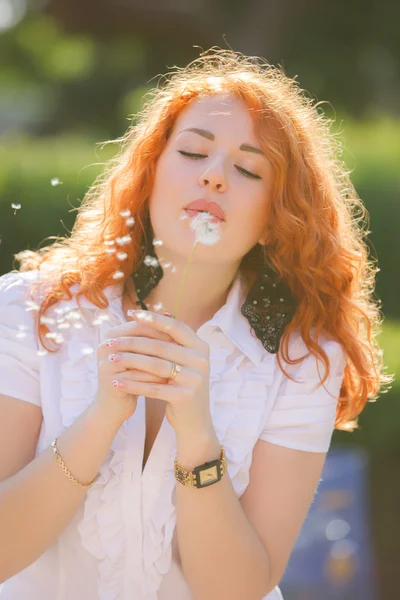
105	414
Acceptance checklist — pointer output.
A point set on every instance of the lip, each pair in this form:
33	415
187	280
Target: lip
212	207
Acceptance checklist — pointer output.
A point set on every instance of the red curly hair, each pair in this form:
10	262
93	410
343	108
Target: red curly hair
315	243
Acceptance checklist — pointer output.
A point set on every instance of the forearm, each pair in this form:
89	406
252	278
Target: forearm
222	556
38	502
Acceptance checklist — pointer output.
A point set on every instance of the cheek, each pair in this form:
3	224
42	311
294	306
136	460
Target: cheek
170	178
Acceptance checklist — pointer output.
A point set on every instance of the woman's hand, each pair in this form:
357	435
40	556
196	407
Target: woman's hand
120	403
147	349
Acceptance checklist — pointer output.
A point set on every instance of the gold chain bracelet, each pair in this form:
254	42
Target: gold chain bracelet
65	469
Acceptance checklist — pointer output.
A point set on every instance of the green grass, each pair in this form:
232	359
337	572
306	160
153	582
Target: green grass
389	339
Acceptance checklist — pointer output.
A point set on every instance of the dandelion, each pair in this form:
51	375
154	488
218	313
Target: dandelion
55	181
118	275
208	233
15	207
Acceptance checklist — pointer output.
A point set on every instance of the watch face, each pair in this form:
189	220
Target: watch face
208	475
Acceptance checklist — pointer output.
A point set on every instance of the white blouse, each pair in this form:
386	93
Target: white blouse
121	543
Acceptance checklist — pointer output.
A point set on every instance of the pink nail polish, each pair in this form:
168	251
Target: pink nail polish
114	357
119	384
112	342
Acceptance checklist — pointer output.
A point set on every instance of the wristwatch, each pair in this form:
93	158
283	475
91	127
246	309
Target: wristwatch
204	475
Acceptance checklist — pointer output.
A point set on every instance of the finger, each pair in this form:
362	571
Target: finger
135	328
136	375
167	392
128	361
117	337
166	350
180	332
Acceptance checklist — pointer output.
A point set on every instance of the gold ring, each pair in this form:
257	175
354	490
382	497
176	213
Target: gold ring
175	369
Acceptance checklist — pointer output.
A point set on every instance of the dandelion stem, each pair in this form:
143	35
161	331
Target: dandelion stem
183	281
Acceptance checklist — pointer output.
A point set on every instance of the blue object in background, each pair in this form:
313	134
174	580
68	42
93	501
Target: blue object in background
332	558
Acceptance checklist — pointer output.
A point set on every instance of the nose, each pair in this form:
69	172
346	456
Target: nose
214	177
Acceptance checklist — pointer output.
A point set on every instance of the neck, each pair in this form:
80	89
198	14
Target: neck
205	290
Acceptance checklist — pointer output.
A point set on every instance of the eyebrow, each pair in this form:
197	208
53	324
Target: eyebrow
211	136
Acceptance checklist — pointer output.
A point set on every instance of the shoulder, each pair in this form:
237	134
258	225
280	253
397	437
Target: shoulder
297	348
15	286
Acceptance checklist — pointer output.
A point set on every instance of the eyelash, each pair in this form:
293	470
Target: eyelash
195	156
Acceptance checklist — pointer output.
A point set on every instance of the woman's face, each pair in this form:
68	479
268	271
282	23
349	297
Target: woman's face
214	163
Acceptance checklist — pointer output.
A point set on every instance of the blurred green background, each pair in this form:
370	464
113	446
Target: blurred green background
73	73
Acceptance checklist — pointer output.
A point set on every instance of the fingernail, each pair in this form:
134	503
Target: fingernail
118	383
112	342
167	314
114	357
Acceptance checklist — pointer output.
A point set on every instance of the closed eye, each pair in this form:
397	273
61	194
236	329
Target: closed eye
195	156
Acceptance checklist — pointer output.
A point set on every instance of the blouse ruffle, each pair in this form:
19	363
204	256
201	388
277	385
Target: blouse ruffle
237	405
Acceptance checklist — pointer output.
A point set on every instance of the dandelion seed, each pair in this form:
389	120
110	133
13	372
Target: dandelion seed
122	255
15	207
20	335
173	269
31	305
55	181
92	259
74	315
158	306
151	261
78	325
87	351
100	319
64	326
118	275
167	265
125	213
61	310
157	242
130	221
47	320
121	241
57	337
109	242
104	317
41	352
111	250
